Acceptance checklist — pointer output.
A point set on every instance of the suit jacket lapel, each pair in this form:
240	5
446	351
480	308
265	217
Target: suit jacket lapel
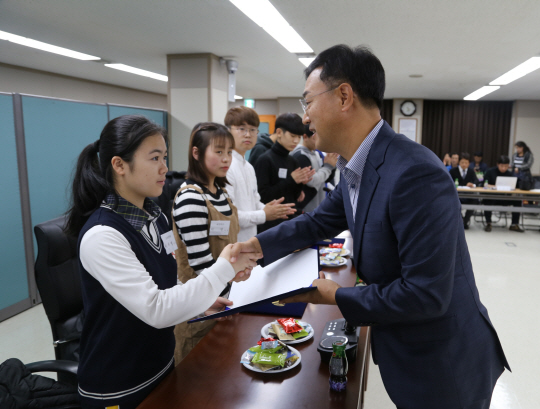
370	179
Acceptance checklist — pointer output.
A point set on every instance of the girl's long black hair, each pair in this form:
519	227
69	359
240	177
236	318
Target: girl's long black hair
93	178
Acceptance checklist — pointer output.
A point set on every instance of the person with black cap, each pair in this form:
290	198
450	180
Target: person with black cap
278	173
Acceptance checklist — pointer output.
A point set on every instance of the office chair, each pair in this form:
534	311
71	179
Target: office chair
21	388
59	284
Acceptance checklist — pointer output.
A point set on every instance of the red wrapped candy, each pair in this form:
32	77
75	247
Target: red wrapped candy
336	245
265	340
289	325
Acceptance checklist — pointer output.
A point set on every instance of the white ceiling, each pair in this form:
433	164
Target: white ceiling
458	46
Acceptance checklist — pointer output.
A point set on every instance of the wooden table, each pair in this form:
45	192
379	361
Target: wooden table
481	193
211	376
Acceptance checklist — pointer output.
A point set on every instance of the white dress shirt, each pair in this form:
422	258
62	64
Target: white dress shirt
242	189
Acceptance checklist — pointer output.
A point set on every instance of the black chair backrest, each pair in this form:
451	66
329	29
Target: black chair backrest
59	284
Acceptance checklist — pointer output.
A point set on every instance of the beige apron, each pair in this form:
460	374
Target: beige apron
188	335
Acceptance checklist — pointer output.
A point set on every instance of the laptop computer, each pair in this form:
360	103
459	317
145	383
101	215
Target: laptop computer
506	182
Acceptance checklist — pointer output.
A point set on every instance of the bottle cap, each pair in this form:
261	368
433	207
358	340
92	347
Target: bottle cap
328	343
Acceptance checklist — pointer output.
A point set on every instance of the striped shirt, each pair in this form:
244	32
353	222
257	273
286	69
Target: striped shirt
191	217
353	170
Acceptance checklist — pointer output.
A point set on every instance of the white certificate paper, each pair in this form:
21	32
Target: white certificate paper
290	273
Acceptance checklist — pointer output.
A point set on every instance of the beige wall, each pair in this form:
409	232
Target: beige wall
33	82
526	128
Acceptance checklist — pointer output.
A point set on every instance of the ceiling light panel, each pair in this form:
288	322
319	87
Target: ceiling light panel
482	92
264	14
28	42
138	71
307	61
521	70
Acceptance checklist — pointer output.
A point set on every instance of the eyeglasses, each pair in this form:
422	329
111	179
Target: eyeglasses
243	131
305	104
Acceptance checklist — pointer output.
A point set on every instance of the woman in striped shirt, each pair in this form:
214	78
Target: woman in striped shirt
205	220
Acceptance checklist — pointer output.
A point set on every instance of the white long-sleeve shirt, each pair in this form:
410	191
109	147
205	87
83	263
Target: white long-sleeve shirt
107	255
242	189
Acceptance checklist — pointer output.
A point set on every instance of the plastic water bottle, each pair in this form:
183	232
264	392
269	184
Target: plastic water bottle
456	182
338	367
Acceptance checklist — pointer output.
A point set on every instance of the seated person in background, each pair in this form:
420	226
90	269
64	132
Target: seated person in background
465	177
200	202
479	166
278	173
447	161
242	182
502	169
306	155
454	160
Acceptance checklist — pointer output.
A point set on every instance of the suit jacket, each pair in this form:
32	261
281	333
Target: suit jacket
431	336
470	176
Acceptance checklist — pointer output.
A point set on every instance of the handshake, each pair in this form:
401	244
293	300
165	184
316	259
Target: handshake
243	257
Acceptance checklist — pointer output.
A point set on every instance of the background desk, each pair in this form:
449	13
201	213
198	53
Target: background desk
481	193
211	376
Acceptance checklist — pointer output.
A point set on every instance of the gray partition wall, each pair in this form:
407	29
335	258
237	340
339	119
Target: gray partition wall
42	138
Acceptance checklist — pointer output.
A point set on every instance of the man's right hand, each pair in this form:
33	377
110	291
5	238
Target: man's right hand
278	210
302	175
250	246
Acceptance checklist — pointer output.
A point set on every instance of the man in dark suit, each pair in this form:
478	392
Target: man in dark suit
431	336
465	176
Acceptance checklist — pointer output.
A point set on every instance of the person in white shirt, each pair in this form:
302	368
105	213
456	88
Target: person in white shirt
243	123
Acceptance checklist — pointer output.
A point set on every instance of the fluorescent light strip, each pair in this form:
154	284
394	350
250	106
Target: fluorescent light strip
28	42
521	70
238	97
306	61
264	14
482	92
138	71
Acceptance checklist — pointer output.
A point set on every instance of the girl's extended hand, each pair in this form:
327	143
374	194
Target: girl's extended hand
244	261
218	306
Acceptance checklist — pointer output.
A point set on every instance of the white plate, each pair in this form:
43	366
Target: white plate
339	261
254	369
343	252
266	328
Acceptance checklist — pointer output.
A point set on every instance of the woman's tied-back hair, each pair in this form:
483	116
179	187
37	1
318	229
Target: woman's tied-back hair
203	135
94	175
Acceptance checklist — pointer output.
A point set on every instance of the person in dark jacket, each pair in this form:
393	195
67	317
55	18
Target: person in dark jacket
278	173
502	169
465	177
264	142
479	166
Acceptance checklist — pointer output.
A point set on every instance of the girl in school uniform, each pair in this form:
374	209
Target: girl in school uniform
132	298
205	219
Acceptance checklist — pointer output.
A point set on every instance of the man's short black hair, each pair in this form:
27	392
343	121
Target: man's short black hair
358	67
465	155
503	160
290	122
479	154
